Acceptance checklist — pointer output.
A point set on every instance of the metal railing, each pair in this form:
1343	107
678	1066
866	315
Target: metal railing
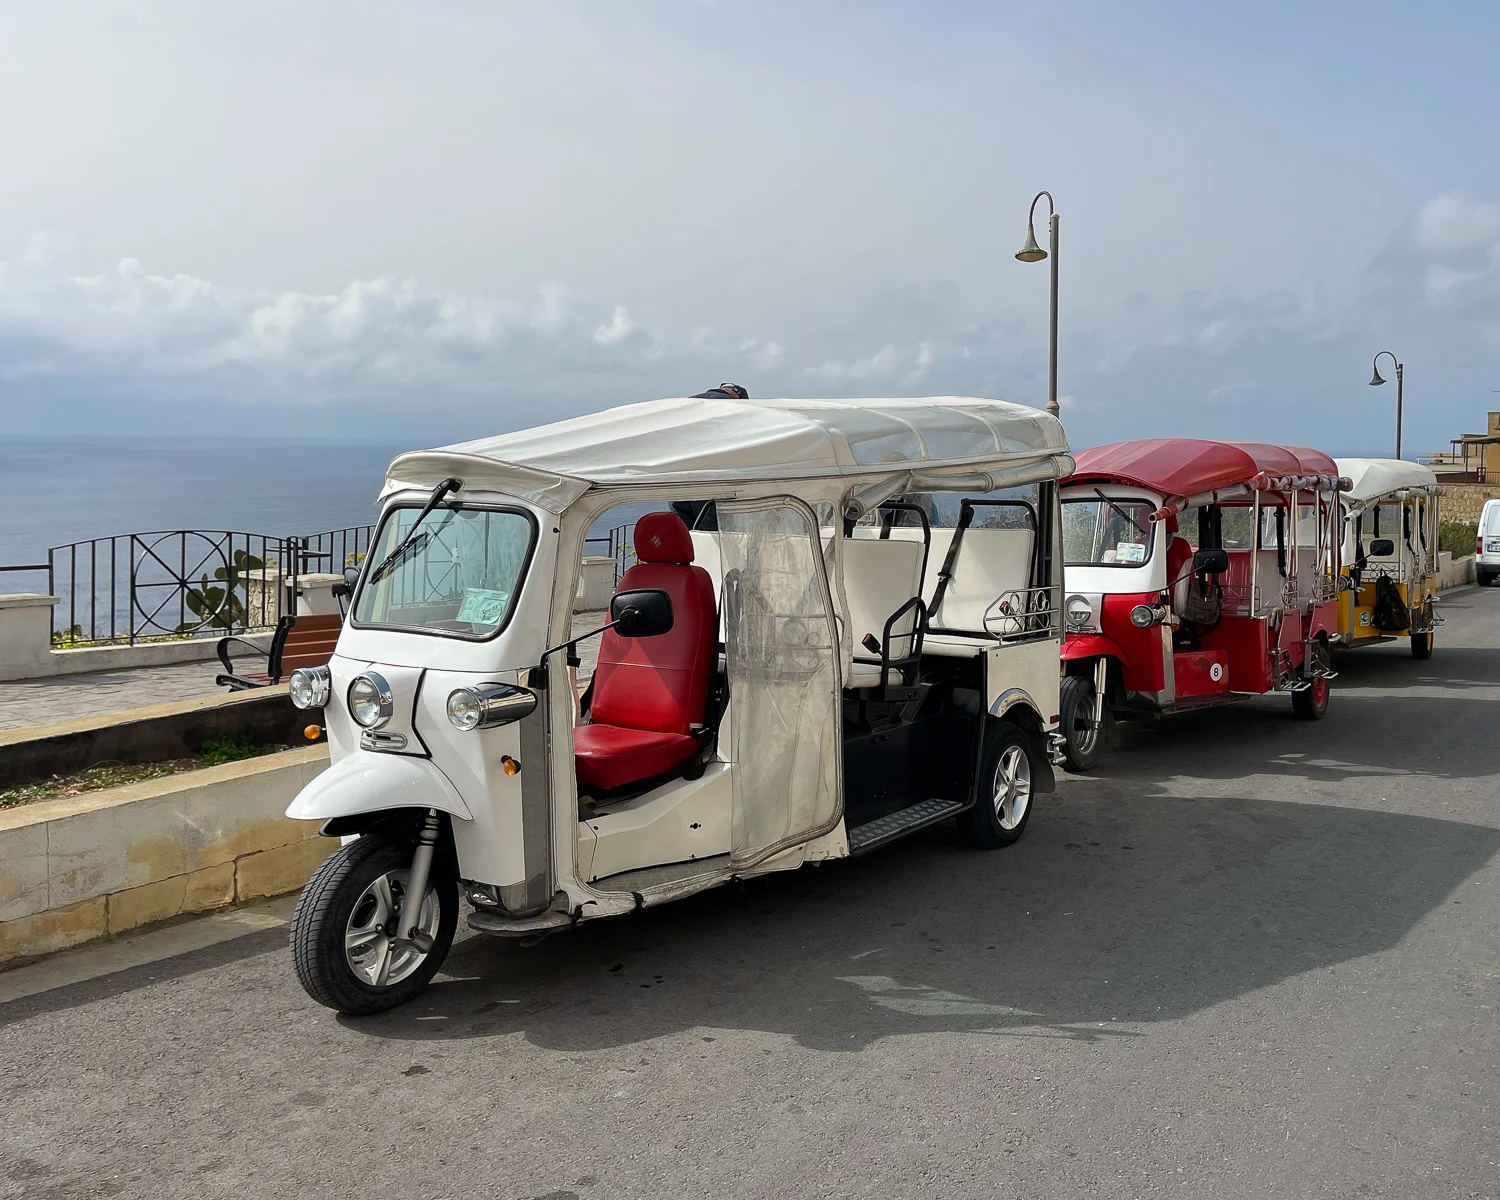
181	583
618	544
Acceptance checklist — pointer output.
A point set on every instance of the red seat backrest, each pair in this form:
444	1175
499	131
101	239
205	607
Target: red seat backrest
660	683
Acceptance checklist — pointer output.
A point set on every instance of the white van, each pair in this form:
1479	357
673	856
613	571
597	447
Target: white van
1487	545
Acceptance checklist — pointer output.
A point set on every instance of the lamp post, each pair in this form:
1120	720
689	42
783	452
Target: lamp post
1376	381
1031	252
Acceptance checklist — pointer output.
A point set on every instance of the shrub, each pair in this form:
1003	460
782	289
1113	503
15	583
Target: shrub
1457	537
229	748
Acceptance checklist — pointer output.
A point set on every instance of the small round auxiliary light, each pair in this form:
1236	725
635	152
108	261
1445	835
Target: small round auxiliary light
509	765
1142	616
313	732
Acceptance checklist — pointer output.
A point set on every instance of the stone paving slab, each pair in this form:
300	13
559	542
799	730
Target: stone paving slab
30	702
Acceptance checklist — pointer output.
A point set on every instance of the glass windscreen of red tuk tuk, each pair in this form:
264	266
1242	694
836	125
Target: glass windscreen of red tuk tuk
1106	532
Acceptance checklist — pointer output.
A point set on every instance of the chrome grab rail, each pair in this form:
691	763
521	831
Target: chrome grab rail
1022	613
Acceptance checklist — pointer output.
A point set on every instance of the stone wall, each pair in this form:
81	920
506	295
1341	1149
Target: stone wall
1464	501
90	866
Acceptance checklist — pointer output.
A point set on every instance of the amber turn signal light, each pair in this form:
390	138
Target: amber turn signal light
509	765
313	732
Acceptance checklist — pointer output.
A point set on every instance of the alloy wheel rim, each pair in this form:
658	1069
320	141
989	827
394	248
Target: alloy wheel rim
371	948
1012	795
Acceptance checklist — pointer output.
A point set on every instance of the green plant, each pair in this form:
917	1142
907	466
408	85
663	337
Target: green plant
229	748
1457	538
221	606
71	636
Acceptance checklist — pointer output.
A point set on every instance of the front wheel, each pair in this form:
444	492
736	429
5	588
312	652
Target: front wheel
999	816
1085	736
1421	645
1311	703
344	942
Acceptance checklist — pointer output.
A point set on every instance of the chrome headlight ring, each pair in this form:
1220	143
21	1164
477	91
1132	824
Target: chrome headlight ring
488	705
309	687
370	701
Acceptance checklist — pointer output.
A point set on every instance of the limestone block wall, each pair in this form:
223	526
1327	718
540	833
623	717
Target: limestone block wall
1464	501
90	866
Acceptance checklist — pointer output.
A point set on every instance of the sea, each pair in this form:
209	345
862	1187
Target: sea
57	490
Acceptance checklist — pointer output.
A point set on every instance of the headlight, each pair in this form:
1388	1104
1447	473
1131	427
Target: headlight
488	705
370	702
1143	616
309	686
1079	612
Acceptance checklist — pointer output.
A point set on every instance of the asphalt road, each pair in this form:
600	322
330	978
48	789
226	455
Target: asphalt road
1248	957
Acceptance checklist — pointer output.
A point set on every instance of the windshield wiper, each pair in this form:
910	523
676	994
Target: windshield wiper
1144	532
388	563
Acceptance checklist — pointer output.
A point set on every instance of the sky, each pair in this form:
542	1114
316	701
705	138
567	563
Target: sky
422	223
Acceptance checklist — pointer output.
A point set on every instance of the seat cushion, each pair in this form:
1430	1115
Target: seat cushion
608	756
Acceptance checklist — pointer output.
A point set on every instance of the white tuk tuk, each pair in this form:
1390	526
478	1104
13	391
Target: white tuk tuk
858	639
1390	555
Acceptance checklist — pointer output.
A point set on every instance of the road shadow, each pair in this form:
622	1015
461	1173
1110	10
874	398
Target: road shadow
1139	909
1363	736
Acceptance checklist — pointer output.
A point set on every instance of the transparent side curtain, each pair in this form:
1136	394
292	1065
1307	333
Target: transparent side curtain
780	647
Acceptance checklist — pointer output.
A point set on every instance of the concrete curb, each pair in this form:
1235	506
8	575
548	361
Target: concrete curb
91	866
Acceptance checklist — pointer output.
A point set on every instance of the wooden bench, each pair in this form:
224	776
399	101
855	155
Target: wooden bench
297	642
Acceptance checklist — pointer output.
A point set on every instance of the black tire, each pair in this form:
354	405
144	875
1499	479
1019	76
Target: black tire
990	824
1482	578
1075	707
1311	703
323	915
1421	645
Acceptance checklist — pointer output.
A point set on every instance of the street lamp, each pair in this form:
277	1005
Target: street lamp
1031	252
1376	381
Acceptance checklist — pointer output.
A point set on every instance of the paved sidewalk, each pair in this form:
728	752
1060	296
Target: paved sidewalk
29	702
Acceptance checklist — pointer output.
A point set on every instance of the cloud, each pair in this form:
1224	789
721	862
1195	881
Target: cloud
1456	221
140	349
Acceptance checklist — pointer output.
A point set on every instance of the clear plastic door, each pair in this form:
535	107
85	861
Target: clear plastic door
781	648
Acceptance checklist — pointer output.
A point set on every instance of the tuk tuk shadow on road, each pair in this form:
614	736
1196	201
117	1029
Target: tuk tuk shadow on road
1362	737
1135	909
1391	668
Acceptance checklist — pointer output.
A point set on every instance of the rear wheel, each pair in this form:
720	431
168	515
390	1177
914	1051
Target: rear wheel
1007	771
1085	735
344	942
1311	703
1421	645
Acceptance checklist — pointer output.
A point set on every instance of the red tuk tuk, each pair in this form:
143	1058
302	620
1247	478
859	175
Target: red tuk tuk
1196	573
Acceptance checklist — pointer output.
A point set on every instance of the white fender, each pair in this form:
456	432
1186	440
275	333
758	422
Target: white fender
365	782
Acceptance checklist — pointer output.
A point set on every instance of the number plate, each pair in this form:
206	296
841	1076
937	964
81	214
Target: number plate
1492	546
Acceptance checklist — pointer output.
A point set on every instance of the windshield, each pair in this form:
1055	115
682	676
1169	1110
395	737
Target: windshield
458	576
1106	533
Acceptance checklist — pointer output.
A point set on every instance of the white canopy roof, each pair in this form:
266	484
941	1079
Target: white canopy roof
685	440
1371	478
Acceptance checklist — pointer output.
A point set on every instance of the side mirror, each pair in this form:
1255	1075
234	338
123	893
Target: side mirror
643	613
1382	548
1210	562
351	577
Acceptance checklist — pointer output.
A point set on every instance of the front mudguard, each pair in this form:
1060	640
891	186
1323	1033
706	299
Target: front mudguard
1092	645
371	782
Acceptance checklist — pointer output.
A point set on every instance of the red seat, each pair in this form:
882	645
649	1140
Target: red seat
648	693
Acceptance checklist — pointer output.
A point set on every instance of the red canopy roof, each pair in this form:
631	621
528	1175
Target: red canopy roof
1188	466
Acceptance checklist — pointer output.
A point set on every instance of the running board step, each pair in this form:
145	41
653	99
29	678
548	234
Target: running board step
866	837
